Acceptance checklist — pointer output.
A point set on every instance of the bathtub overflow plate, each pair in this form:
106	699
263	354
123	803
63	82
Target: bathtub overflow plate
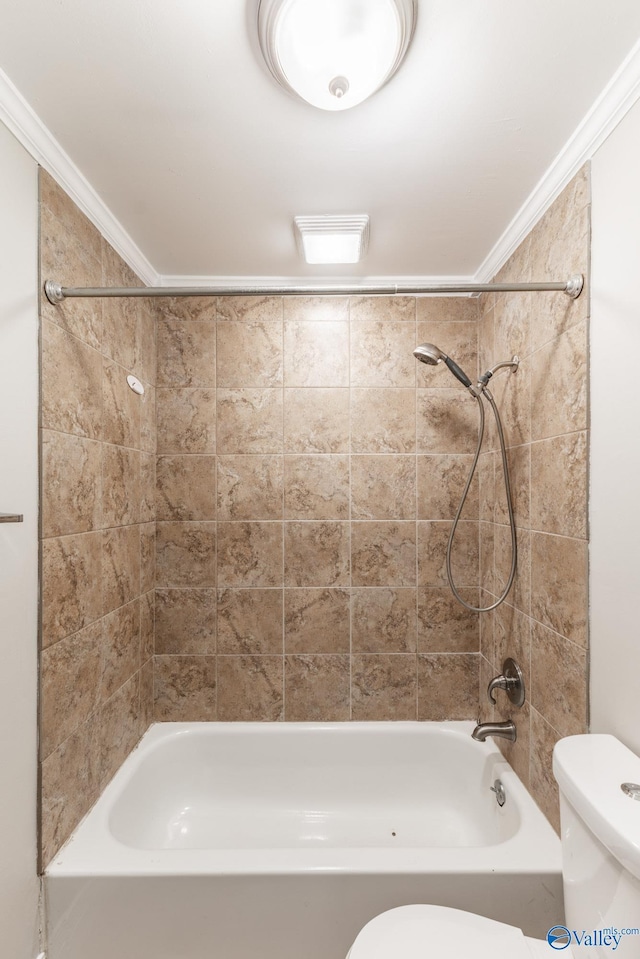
632	790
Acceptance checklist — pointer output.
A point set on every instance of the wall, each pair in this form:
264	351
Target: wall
543	624
615	450
97	520
18	550
307	470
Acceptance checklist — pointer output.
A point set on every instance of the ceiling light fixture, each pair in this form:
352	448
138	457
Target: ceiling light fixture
332	239
335	53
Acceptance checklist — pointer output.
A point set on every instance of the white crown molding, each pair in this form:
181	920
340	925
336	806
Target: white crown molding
30	131
614	102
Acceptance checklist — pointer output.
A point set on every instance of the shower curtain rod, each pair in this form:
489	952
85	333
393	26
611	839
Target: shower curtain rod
56	293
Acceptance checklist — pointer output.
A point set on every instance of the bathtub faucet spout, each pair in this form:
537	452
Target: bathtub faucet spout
506	730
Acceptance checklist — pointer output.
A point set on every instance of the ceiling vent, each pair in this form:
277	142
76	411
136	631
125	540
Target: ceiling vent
332	239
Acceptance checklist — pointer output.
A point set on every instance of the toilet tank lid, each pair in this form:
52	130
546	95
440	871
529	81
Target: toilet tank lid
590	770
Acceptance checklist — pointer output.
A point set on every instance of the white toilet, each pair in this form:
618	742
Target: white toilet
600	824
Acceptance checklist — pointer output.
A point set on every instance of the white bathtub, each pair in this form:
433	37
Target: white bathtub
281	840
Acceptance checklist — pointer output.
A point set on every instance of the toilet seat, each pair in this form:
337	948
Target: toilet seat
413	932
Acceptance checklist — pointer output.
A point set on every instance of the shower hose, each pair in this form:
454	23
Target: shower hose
507	486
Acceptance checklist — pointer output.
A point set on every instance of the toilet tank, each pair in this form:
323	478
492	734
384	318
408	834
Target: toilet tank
600	833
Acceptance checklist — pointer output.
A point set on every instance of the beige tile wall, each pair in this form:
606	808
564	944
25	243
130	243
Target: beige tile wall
97	520
307	472
543	624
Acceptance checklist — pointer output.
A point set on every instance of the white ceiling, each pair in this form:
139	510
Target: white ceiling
170	114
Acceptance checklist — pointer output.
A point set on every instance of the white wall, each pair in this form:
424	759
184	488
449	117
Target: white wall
615	435
18	549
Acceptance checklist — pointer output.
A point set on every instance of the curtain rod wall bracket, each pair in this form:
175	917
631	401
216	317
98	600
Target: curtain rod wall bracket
575	286
53	292
572	287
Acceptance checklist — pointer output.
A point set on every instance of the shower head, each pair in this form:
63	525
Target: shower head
432	355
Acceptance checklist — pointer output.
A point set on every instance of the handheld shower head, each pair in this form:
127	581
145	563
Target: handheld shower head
432	355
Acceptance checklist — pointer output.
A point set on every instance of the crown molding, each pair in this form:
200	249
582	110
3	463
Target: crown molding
30	131
617	98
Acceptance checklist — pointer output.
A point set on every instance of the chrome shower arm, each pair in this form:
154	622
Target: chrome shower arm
511	364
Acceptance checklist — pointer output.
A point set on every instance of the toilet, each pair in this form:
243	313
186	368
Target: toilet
600	827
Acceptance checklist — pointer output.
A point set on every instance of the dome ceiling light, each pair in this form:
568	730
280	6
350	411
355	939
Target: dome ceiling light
335	53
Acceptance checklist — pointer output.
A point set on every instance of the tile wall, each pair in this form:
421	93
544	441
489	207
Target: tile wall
307	471
543	624
97	520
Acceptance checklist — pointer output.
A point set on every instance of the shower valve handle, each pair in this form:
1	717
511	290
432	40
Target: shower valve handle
511	680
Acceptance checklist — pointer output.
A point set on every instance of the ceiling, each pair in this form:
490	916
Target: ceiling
171	115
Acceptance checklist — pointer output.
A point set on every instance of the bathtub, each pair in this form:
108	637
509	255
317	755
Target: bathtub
281	840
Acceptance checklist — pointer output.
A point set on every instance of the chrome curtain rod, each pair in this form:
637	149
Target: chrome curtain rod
56	293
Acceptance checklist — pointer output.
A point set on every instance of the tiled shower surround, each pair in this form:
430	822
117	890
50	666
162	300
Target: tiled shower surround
307	472
307	468
97	520
543	623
